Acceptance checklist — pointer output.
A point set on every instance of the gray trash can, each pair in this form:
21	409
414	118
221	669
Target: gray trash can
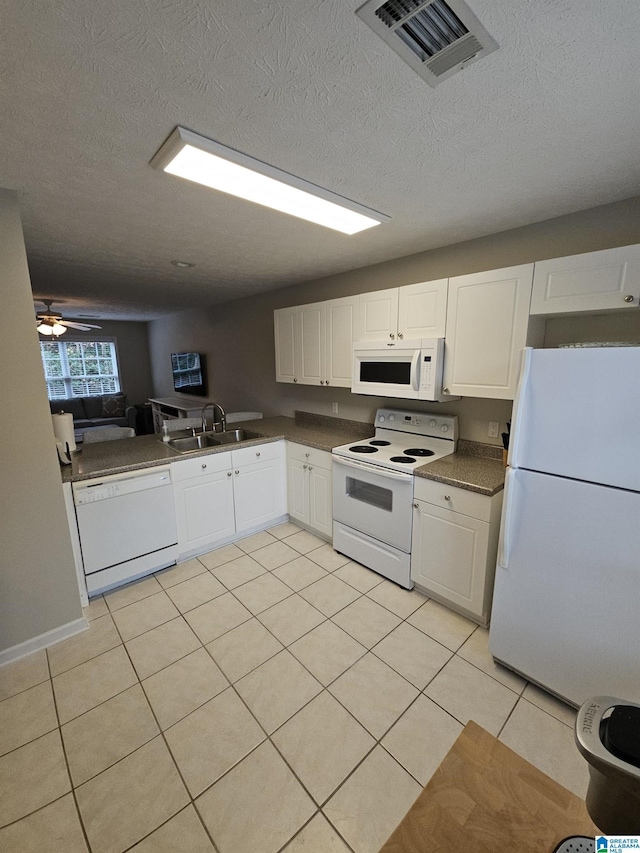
608	736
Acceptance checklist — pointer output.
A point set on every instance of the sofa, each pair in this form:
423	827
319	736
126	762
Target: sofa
104	410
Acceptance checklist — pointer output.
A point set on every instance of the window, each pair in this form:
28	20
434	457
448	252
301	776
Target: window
80	368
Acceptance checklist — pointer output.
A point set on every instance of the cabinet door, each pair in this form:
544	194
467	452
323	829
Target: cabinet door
378	315
320	499
487	327
286	333
298	490
422	310
204	510
449	555
258	493
594	281
341	317
312	344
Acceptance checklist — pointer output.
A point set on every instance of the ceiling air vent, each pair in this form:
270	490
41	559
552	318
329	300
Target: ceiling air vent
435	38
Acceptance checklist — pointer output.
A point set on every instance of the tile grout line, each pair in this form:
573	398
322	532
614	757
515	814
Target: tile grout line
66	760
175	764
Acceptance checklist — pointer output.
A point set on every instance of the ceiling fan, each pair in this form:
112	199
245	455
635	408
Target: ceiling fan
50	322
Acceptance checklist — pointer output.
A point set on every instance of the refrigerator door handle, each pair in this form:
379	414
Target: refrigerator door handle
505	542
518	415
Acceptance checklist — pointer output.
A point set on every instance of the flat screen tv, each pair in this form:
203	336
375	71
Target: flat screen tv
189	373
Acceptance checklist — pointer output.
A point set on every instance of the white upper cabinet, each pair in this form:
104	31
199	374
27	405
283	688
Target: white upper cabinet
411	312
378	315
311	320
594	281
285	323
422	310
314	342
341	317
488	324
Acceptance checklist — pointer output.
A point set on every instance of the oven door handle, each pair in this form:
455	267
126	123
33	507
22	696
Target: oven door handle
372	468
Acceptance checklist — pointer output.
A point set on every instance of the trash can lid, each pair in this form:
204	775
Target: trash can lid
622	733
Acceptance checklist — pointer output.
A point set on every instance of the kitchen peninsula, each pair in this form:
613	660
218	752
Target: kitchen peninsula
172	506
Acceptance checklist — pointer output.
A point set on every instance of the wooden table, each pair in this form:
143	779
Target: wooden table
485	798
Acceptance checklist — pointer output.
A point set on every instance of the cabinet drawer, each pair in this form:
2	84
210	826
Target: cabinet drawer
309	455
257	453
187	469
453	498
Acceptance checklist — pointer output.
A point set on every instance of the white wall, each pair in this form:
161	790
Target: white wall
38	586
237	337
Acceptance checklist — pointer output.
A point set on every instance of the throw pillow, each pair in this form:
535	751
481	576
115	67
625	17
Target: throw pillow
113	405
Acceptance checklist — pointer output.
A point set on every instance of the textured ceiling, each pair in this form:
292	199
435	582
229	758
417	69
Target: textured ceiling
546	125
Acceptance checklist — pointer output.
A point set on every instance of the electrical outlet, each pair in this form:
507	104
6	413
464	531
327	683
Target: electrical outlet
334	409
494	429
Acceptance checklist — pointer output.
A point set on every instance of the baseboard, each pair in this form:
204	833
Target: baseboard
42	641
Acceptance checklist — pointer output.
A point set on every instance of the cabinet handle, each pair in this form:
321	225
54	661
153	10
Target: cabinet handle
628	298
307	455
416	505
257	454
322	381
228	473
237	472
203	466
447	497
294	379
310	468
445	390
391	335
327	382
400	335
305	467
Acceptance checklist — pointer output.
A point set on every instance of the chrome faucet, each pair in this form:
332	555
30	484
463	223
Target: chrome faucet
223	416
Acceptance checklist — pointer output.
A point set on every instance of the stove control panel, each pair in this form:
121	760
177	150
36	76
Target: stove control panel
418	423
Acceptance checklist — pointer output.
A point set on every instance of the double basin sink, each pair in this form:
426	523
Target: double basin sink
202	440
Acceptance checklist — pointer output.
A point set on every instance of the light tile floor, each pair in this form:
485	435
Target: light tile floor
268	696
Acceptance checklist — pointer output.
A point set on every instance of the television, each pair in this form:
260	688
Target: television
188	370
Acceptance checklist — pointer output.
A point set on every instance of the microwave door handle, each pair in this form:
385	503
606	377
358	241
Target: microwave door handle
372	468
415	368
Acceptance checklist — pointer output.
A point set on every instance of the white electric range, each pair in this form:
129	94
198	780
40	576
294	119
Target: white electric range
373	488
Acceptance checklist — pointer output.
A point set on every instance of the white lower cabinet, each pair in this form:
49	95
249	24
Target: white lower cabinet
222	494
309	487
454	545
259	494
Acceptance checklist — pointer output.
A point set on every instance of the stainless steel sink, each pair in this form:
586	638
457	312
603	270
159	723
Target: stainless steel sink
234	435
202	440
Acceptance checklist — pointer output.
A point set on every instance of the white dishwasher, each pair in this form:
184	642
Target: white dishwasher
127	526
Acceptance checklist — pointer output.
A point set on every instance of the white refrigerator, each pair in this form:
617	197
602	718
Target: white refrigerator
566	607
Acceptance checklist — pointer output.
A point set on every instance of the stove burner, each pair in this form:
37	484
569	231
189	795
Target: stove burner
419	451
406	459
380	443
363	448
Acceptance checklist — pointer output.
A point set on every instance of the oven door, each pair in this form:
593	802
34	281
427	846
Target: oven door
374	501
386	372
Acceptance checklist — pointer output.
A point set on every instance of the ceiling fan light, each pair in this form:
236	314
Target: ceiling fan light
58	329
44	328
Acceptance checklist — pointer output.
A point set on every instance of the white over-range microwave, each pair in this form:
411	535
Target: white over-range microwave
408	370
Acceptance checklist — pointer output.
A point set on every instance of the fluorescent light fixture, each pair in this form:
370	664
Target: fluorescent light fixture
204	161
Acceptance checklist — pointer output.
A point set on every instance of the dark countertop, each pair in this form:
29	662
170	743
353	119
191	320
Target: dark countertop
475	473
148	451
